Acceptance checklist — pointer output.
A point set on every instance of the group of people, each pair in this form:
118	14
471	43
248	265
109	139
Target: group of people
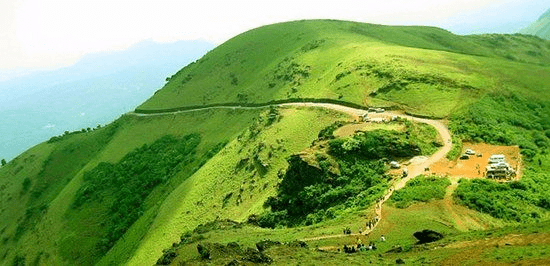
359	247
370	224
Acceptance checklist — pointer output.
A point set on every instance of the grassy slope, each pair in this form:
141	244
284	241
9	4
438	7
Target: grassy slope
442	71
424	70
58	247
200	198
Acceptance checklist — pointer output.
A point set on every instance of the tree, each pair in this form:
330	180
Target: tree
3	162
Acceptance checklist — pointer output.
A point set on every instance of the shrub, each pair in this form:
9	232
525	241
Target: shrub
420	189
130	181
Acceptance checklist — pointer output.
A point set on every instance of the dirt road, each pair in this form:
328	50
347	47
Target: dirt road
414	169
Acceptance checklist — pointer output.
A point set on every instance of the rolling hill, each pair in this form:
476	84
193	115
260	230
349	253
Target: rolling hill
541	27
160	180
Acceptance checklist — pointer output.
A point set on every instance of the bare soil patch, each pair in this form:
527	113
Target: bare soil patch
475	166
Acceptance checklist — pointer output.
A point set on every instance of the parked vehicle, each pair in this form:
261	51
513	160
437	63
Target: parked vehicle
394	165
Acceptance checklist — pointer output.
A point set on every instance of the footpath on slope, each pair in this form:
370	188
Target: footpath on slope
414	169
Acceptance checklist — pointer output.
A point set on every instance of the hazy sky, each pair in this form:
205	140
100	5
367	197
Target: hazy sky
53	33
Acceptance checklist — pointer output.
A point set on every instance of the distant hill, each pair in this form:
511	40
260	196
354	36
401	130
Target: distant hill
94	91
541	27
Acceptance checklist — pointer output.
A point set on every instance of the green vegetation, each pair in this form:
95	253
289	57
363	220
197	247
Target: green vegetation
418	139
456	149
129	182
125	192
351	175
309	195
420	189
3	162
509	118
57	170
328	132
423	70
520	201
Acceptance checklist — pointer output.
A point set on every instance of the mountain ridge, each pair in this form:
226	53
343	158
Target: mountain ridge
541	27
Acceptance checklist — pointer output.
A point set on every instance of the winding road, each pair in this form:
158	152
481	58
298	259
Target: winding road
414	169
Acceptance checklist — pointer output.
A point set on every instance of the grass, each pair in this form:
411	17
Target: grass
489	88
420	189
397	226
65	227
426	71
201	198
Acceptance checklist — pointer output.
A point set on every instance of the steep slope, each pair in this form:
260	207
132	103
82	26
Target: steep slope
541	27
127	191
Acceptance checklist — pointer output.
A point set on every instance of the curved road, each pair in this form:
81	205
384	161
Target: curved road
414	169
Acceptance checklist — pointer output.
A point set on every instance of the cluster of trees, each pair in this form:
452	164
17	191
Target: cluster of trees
68	133
376	144
3	162
310	193
420	189
129	182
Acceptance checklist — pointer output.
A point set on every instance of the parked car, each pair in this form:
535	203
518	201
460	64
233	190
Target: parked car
464	157
470	152
394	165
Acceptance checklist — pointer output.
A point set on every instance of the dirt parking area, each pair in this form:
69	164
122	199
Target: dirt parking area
475	165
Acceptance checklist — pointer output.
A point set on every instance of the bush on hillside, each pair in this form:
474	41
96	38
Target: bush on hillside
315	191
519	201
508	119
420	189
309	194
128	182
375	144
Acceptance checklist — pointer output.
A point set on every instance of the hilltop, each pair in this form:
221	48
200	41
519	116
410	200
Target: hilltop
355	62
541	27
206	160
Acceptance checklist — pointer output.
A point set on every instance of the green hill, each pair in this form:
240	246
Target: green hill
125	192
353	61
541	27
